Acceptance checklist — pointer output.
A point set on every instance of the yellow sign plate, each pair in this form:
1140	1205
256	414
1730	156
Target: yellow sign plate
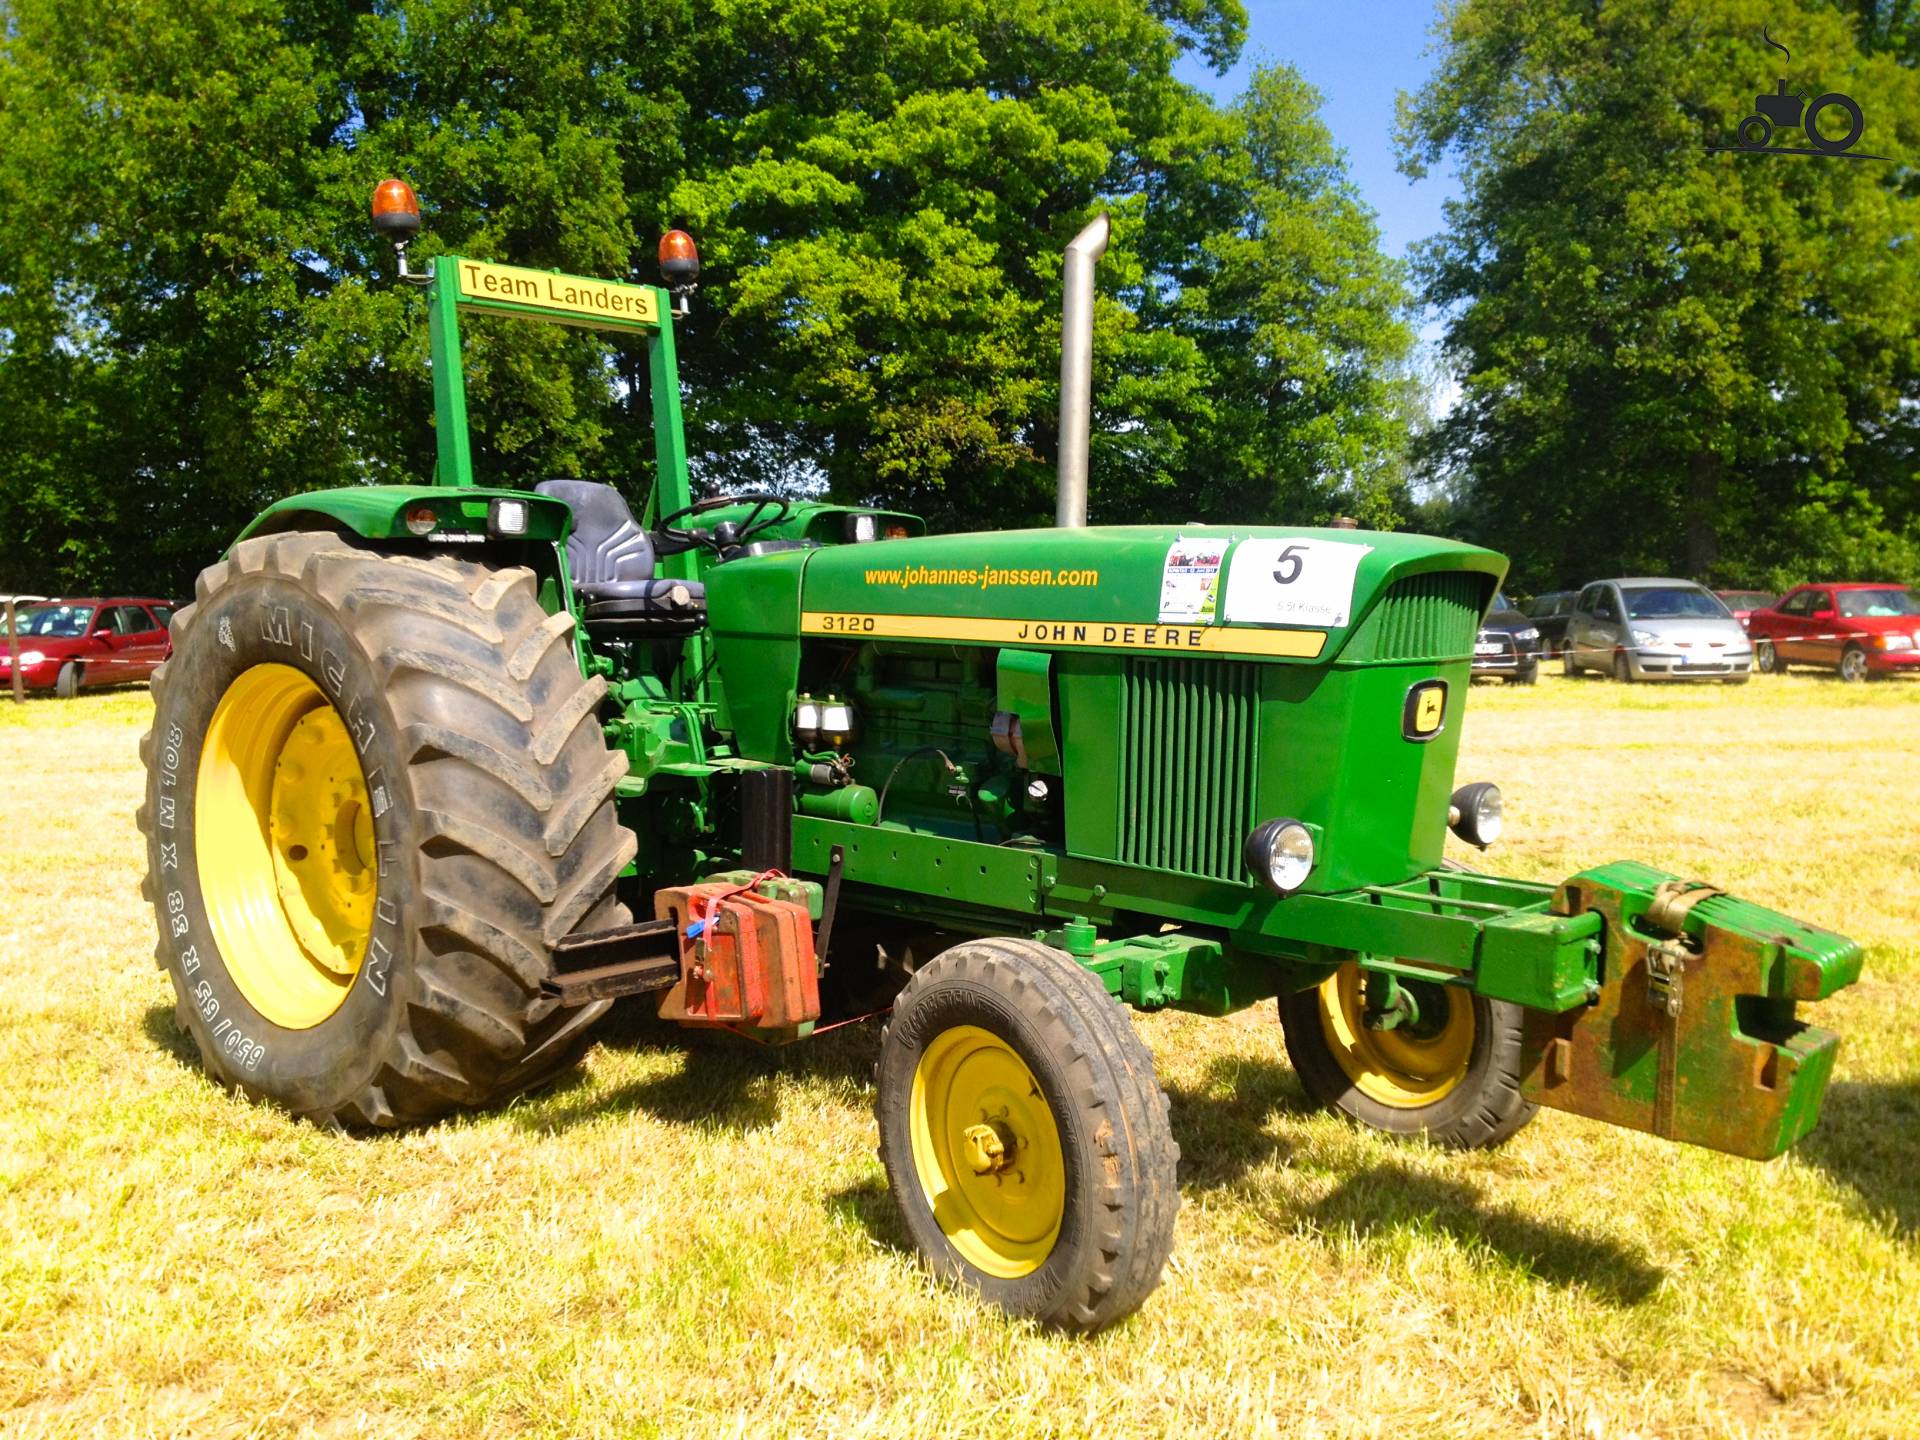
596	304
1073	634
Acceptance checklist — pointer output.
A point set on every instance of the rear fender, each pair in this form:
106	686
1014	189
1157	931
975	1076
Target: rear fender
378	512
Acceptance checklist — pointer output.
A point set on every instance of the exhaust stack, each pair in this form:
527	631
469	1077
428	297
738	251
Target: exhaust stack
1076	368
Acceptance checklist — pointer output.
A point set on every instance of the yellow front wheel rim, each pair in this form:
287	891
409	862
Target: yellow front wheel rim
1406	1067
987	1152
284	846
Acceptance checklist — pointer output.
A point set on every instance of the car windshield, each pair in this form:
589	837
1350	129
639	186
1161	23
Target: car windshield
1874	604
1500	602
60	622
1747	599
1673	602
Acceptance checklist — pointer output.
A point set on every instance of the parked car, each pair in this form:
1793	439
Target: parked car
69	645
1655	629
1744	602
1508	644
1859	628
1550	613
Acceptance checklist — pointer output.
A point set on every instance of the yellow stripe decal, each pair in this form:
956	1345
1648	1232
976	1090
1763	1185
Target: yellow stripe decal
1083	634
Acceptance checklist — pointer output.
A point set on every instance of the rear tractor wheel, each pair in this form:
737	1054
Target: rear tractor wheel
1448	1067
1024	1134
377	795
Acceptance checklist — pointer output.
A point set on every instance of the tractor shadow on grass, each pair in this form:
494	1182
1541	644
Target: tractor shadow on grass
1223	1129
164	1033
1386	1201
722	1081
1221	1123
869	1204
1869	1138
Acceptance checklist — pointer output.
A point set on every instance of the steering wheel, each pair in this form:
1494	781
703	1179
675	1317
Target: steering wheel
734	534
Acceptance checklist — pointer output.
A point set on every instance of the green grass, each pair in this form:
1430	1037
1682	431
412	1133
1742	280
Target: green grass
696	1236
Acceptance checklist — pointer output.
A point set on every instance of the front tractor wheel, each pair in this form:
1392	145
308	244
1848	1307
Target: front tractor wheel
376	797
1448	1067
1024	1134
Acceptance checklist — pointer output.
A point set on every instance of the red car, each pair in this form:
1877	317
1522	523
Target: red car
70	645
1859	628
1744	602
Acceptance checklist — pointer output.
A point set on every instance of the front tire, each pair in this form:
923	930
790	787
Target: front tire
1569	667
67	683
1453	1077
1529	675
1024	1134
377	794
1622	667
1853	665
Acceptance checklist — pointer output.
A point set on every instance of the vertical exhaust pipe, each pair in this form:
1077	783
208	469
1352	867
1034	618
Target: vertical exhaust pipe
1076	369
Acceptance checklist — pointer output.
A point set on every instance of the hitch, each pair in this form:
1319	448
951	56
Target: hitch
1693	1035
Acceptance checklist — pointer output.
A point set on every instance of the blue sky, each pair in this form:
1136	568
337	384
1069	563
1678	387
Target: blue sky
1359	54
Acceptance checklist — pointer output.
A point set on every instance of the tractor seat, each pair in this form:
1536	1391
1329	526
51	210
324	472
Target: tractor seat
612	562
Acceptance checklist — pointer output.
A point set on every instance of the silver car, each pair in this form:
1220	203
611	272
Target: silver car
1655	629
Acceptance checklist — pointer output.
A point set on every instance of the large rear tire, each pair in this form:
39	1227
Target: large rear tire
1454	1077
377	794
1024	1134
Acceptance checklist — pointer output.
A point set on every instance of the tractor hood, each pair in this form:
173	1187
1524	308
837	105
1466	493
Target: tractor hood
1283	594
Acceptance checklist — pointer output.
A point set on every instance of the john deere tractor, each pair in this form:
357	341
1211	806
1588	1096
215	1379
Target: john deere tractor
438	773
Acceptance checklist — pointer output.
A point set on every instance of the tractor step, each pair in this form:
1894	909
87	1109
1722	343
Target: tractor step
607	964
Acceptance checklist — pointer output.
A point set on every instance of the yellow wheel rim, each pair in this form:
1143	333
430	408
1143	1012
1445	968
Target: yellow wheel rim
987	1152
1406	1067
284	846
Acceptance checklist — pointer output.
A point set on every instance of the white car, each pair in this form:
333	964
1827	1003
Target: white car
1656	629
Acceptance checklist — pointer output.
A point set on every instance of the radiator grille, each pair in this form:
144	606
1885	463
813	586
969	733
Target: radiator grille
1423	617
1188	741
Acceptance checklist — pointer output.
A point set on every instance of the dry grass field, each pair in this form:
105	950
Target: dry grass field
695	1238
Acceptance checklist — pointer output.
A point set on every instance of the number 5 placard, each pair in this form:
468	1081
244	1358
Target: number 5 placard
1292	582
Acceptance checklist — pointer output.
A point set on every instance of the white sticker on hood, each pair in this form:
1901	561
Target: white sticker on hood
1190	580
1293	582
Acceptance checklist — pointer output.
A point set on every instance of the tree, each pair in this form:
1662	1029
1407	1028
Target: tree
1672	358
194	318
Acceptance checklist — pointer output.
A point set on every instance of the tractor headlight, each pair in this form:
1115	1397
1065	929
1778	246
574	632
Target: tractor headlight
806	723
1477	813
863	528
837	722
507	517
1280	853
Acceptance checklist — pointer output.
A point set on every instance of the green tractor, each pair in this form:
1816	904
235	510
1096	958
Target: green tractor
439	773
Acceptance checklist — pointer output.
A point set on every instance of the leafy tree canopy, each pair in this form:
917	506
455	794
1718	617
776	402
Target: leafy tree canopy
1672	358
195	319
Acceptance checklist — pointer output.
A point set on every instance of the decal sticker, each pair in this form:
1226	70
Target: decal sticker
1425	711
1190	580
1057	634
1293	582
